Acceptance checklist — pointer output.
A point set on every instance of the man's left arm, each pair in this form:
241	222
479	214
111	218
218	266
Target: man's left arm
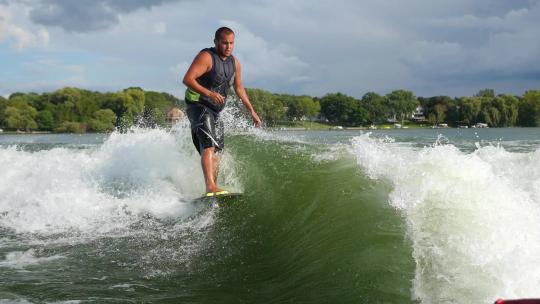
241	93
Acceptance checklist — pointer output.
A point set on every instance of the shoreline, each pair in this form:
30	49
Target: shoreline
296	128
26	133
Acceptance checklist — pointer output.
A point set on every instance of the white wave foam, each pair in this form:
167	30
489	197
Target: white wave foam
102	189
238	121
474	219
22	259
331	153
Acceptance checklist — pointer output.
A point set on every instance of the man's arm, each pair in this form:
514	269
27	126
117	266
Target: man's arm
200	65
241	93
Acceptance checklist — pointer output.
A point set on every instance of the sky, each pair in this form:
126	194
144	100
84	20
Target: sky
431	47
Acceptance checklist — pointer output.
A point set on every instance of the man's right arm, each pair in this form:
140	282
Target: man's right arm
200	65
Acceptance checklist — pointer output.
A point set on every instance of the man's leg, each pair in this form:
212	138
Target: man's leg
216	166
210	166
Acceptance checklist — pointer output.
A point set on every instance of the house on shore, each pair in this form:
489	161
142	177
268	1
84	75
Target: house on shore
418	114
174	115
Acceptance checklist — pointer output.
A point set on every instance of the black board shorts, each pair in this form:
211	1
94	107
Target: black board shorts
207	129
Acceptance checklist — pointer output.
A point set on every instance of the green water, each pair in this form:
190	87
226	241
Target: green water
306	231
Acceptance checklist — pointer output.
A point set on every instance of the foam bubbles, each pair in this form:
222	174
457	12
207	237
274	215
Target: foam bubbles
473	218
104	188
22	259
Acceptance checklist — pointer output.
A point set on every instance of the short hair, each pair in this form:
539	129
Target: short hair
223	31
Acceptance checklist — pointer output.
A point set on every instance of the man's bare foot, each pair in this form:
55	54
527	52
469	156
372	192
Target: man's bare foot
213	189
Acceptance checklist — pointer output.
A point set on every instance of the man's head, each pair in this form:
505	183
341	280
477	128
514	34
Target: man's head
224	41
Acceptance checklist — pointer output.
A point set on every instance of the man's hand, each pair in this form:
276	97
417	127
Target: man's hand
216	97
256	120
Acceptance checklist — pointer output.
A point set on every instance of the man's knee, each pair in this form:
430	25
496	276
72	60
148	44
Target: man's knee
214	150
209	150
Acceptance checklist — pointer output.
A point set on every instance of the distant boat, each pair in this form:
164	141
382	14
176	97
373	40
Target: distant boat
481	125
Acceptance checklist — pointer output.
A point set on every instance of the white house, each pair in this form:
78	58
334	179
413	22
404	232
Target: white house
418	114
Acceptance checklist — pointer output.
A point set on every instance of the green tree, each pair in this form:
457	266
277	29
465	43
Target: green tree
89	103
27	98
529	109
489	115
3	106
343	109
438	114
508	109
469	109
19	114
43	103
153	117
71	127
499	111
16	94
67	102
45	120
267	105
402	102
127	105
65	94
303	106
376	107
437	109
485	93
160	100
155	106
102	121
70	104
21	117
158	116
138	97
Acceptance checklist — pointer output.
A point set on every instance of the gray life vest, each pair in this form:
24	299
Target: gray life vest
219	79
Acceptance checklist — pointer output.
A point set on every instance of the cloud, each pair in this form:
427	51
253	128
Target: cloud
20	37
262	61
39	86
159	28
480	47
51	65
86	15
444	47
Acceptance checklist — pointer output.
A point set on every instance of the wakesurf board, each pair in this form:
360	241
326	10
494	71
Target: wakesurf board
219	198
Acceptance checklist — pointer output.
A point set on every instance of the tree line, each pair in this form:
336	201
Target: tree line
501	110
78	110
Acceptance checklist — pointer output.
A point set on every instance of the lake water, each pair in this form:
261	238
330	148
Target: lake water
386	216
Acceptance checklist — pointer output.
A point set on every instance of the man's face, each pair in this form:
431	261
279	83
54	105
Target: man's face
225	45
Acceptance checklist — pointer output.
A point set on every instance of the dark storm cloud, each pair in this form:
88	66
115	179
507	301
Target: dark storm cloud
85	15
302	47
423	45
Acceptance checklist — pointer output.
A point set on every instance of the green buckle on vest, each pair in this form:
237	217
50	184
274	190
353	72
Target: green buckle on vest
192	96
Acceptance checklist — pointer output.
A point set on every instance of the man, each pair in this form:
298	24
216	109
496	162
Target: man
208	81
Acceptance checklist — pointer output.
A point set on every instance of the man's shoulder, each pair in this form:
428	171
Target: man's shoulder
204	55
209	51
